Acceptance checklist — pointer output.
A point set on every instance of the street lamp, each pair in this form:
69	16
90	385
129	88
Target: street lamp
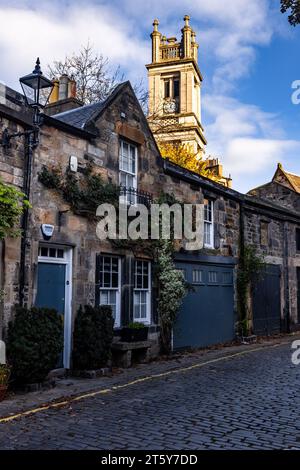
37	89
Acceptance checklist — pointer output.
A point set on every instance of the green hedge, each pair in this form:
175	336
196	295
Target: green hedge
34	343
93	335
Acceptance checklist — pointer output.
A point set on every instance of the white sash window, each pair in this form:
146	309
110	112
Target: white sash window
128	171
110	285
142	292
208	224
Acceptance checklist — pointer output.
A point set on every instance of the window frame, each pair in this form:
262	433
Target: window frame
128	198
136	290
209	223
117	289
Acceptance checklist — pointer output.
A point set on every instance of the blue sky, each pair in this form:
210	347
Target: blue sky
248	54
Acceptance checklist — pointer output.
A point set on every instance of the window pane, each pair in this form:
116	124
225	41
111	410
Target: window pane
176	88
115	280
132	158
44	251
143	311
109	298
104	297
60	253
136	305
145	281
139	281
115	264
167	88
106	282
123	178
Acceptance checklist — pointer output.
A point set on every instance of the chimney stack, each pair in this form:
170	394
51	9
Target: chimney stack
63	96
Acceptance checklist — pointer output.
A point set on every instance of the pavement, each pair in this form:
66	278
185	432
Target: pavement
238	397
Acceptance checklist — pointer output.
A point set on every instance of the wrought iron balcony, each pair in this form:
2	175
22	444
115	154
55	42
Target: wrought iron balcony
132	196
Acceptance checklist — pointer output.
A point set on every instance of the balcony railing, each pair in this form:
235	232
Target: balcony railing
132	196
170	52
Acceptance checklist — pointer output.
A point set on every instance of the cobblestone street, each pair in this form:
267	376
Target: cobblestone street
250	400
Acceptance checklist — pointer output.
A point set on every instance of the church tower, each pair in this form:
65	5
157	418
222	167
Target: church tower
175	89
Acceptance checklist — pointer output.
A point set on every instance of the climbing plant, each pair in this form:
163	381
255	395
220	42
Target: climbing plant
171	291
12	204
251	268
84	193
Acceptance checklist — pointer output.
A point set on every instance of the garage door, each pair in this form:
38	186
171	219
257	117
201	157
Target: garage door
207	313
267	302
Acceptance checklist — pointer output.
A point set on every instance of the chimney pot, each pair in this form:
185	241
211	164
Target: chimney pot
63	87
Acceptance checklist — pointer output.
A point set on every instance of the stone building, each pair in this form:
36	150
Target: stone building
73	267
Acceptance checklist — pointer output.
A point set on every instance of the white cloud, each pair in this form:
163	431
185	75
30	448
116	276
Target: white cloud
249	141
26	34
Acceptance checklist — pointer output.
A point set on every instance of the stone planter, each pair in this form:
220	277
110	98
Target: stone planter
130	335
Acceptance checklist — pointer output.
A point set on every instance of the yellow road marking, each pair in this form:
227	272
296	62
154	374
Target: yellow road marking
128	384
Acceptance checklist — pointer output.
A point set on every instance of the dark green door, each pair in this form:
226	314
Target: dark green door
51	289
207	313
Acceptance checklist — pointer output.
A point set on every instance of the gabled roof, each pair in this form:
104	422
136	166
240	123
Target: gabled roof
287	179
83	116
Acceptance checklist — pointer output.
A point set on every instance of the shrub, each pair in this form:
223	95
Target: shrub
35	340
93	335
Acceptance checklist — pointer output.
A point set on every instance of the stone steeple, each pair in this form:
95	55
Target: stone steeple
174	88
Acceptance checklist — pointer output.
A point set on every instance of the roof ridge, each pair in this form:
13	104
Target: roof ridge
85	106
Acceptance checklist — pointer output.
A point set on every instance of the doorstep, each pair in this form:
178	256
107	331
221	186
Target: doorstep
68	388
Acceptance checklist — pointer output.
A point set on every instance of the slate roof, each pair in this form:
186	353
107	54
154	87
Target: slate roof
82	116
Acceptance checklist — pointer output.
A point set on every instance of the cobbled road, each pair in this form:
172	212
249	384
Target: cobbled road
251	401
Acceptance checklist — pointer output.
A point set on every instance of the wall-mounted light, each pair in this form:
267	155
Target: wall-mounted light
47	231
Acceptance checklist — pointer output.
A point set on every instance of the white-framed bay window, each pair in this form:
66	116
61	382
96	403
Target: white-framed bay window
142	292
128	171
208	223
110	285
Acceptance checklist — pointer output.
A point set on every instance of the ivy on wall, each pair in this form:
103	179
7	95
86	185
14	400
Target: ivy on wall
84	194
12	204
250	269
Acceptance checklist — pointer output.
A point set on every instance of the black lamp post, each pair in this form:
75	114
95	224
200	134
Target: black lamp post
37	90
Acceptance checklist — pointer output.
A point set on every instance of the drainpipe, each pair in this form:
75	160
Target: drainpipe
242	248
286	276
29	145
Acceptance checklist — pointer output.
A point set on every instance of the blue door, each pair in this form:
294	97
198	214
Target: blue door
51	289
207	313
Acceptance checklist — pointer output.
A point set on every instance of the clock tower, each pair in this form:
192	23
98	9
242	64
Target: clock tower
175	89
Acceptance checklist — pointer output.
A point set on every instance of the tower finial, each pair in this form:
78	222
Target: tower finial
186	20
155	24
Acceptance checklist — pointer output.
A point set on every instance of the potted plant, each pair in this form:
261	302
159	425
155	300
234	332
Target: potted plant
4	379
135	331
